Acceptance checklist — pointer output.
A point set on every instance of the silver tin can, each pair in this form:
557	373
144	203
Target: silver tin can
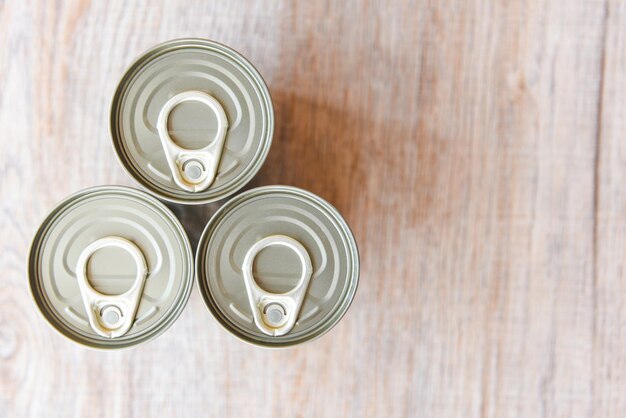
110	267
191	121
277	266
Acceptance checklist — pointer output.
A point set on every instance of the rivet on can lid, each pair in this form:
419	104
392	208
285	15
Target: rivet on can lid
111	316
275	313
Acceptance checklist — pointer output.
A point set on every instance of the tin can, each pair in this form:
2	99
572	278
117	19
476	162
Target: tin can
191	121
277	266
111	267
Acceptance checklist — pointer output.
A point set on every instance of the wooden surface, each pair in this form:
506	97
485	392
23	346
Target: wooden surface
476	148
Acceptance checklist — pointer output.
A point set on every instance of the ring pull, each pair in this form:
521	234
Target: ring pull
276	313
193	170
111	316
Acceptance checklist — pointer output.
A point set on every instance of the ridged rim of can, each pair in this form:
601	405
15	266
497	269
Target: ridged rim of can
346	233
34	251
148	56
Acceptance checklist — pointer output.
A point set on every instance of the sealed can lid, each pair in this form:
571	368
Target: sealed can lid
192	121
111	267
277	266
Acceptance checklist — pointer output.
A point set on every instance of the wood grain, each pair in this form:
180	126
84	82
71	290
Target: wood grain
475	147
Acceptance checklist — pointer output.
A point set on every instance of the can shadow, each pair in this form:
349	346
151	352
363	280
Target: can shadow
316	148
194	218
348	156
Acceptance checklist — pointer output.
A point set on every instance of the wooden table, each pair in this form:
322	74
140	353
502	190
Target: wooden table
476	148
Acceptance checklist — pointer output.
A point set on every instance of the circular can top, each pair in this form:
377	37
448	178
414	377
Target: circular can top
192	121
277	266
110	267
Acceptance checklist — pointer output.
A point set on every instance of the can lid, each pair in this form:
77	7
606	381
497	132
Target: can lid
192	121
277	266
111	267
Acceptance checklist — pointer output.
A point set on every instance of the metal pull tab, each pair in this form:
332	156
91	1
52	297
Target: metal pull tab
276	313
111	315
193	170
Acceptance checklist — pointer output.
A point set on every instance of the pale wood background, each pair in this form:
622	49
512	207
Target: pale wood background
476	148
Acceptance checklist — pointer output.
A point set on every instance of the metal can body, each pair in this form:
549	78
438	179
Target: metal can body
191	121
110	267
273	255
